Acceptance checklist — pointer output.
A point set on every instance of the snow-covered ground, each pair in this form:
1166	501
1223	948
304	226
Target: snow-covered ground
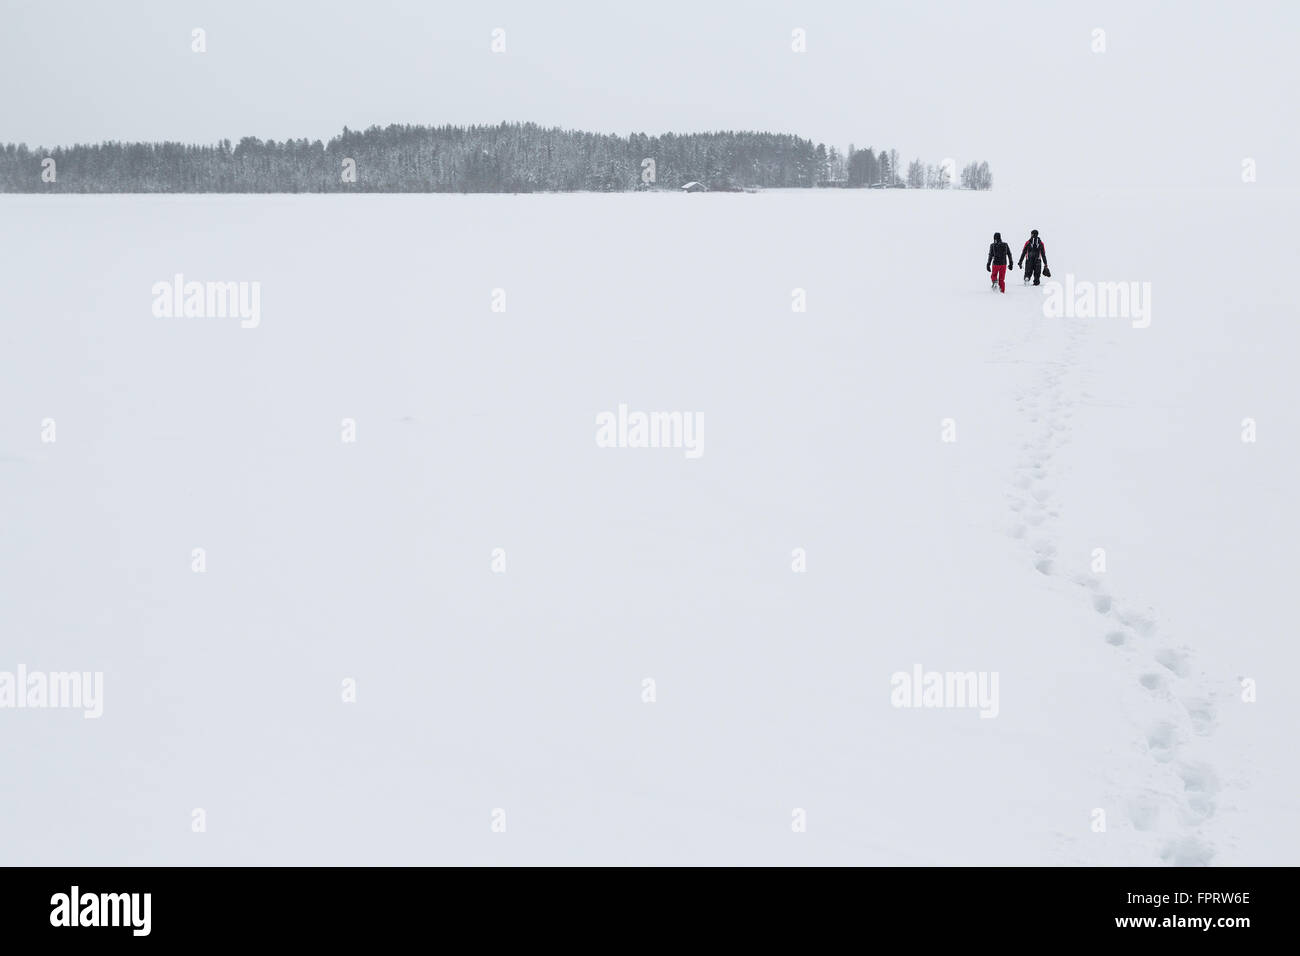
1118	690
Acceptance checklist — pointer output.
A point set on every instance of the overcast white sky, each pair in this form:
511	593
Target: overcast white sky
1184	91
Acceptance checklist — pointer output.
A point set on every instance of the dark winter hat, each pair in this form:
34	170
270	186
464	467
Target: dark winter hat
997	237
1033	232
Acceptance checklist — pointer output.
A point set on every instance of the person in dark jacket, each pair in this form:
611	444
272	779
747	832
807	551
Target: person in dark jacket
1035	252
999	259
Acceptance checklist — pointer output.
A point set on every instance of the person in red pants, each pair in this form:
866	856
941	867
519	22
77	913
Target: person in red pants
1000	258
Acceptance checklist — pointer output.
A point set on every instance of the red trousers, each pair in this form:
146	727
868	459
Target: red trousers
1000	277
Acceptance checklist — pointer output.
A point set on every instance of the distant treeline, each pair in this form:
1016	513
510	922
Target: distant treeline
511	157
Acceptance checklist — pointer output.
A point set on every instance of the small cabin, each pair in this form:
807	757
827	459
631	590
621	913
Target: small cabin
694	187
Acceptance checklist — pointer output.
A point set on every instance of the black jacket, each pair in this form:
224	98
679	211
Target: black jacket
1034	248
999	254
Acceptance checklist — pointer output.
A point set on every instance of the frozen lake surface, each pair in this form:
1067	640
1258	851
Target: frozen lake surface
514	680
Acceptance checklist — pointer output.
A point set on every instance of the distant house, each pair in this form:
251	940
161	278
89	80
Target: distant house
694	187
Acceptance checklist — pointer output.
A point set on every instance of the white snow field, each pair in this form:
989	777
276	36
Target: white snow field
1123	735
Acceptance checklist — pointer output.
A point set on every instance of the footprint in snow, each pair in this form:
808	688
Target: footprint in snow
1199	788
1173	660
1162	741
1143	815
1144	624
1203	714
1188	851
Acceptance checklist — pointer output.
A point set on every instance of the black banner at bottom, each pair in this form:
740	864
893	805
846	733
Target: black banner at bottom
379	905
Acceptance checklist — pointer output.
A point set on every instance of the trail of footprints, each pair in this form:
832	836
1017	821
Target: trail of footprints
1181	791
